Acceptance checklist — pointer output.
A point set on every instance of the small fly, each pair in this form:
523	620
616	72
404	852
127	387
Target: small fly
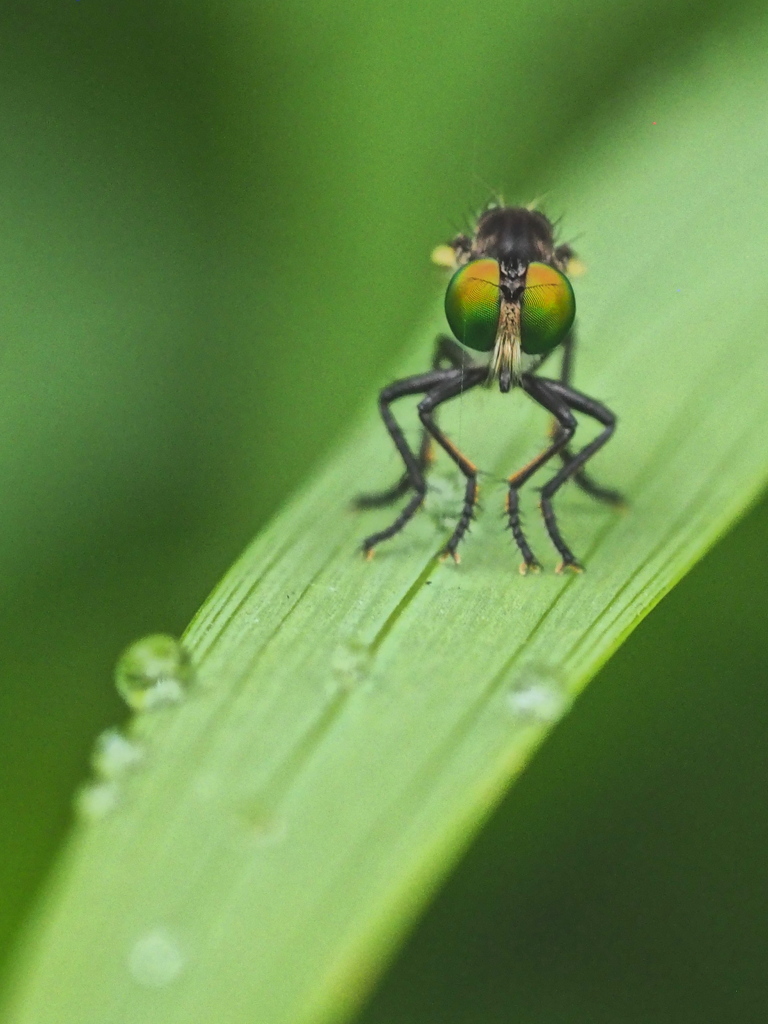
510	299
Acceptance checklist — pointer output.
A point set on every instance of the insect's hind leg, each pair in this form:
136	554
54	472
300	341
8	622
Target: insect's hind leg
447	351
585	482
414	472
578	402
581	478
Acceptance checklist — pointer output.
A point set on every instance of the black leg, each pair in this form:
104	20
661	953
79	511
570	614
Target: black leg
450	389
414	472
581	478
448	354
579	403
537	388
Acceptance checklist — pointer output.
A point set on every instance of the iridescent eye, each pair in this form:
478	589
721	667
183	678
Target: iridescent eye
472	304
547	309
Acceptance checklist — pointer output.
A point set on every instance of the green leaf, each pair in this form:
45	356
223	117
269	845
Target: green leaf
353	723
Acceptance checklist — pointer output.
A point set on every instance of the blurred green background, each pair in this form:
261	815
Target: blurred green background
215	222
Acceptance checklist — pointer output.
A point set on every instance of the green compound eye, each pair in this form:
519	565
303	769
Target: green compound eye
472	304
547	309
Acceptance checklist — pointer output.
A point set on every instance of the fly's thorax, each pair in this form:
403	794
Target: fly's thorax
513	234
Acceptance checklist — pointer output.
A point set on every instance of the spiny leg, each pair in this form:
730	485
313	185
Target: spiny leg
415	385
566	422
581	478
580	403
447	351
469	378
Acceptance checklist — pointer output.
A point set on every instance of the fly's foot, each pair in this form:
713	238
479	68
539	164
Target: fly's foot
534	566
450	553
569	564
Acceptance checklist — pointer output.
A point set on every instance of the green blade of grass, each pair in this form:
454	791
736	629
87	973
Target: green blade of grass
354	722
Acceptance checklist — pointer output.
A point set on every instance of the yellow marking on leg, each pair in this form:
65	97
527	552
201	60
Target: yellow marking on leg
533	464
562	566
532	567
461	459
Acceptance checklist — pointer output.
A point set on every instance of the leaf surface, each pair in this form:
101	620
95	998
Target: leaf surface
354	722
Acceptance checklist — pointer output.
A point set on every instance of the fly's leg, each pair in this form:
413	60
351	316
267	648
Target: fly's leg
448	354
427	407
414	472
578	402
581	478
536	387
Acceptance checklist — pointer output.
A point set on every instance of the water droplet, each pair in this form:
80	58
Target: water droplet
96	800
538	695
351	663
153	672
114	754
445	498
156	959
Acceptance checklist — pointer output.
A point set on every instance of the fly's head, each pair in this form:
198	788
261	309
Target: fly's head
509	294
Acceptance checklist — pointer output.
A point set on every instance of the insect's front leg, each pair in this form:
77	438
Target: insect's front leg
414	471
427	407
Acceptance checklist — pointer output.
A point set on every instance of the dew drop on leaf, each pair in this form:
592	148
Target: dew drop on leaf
156	959
538	695
114	754
153	672
351	663
96	800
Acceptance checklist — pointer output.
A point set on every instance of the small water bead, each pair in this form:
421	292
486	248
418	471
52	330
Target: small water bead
153	672
445	497
114	754
538	695
96	800
156	959
351	663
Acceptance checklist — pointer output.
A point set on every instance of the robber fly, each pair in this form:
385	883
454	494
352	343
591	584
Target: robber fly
510	300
